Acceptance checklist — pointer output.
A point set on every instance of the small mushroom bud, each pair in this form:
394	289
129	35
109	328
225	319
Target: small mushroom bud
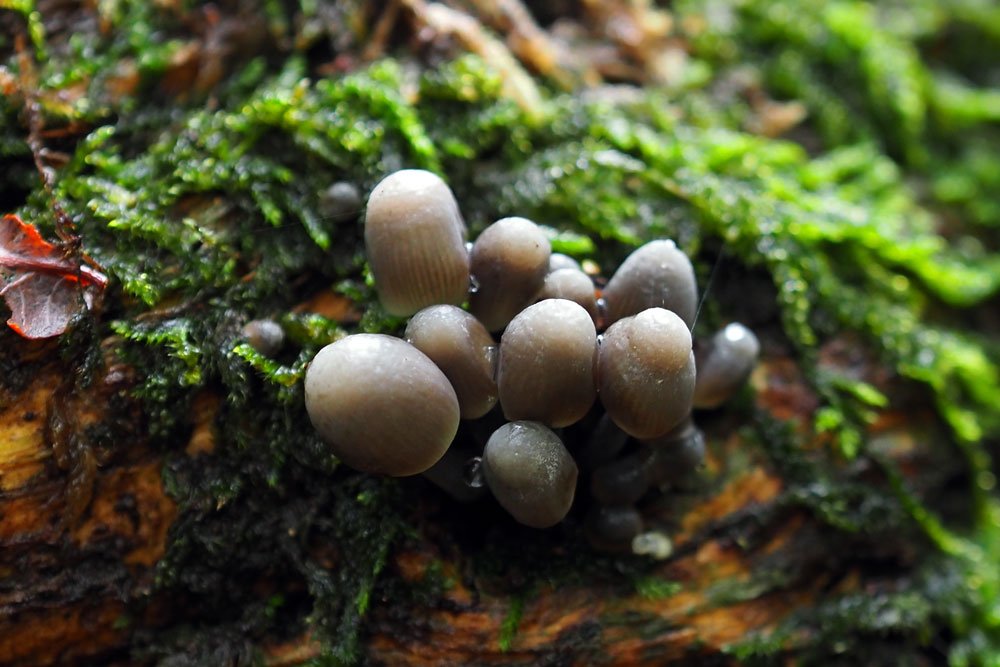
340	202
463	349
656	275
415	240
508	262
547	360
381	405
530	473
653	544
558	260
647	372
571	284
265	336
724	364
612	527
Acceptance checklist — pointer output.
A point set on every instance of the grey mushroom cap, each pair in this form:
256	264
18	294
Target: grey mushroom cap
463	349
530	473
508	263
647	372
571	284
558	260
381	405
341	202
547	361
415	242
724	364
655	275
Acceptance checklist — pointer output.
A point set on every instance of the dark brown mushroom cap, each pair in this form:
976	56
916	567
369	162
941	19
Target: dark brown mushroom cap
612	527
571	284
463	349
415	241
656	275
381	405
624	481
547	361
724	364
647	372
677	454
530	473
508	263
266	336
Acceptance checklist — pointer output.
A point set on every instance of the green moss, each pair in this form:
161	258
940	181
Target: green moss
207	215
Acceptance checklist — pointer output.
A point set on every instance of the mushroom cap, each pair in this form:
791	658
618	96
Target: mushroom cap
572	284
341	201
724	364
381	405
677	454
612	527
415	242
508	263
558	260
647	372
547	361
265	336
655	275
530	473
463	349
624	481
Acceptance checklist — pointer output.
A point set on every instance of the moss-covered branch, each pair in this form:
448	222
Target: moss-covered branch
196	147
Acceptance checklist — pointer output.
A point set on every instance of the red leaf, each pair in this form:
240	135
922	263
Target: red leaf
43	287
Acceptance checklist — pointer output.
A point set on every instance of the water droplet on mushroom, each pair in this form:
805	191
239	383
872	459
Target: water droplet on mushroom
472	473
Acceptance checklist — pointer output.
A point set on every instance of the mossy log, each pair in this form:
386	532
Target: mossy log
82	533
829	170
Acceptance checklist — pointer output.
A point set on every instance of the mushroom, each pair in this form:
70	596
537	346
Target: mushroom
724	364
547	360
415	241
381	405
558	260
603	443
571	284
340	202
612	527
508	263
656	275
462	348
624	481
530	473
646	372
677	453
265	336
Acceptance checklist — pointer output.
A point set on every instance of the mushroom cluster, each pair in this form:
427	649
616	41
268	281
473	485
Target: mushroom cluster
620	364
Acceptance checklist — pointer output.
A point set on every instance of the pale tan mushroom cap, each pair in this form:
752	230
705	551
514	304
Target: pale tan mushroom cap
647	372
415	242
